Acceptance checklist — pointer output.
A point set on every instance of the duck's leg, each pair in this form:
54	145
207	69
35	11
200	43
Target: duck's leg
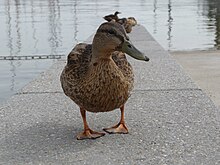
120	127
87	133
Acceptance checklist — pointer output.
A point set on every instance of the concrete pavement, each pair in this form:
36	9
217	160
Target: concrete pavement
170	119
204	68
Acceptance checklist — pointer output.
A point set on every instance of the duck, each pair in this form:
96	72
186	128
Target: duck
111	17
128	23
99	78
131	21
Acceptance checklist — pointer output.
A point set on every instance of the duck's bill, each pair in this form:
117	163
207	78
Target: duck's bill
130	49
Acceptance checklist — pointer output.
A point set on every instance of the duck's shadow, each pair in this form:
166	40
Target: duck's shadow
42	141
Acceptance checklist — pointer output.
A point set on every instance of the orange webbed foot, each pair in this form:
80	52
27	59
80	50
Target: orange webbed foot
89	134
120	128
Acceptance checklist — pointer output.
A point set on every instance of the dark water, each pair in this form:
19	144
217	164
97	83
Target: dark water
50	27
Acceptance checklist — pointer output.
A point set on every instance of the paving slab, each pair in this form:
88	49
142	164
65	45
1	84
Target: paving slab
171	121
204	68
166	127
48	81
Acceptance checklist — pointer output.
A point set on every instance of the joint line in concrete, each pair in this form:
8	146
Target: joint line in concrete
164	90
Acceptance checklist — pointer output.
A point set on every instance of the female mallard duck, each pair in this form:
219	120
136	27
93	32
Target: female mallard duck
98	77
112	16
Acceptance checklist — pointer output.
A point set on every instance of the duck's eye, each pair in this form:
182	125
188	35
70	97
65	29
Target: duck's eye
111	32
129	46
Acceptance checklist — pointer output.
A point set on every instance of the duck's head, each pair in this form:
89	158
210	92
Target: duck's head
132	21
110	37
117	12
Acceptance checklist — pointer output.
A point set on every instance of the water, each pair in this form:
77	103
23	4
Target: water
52	27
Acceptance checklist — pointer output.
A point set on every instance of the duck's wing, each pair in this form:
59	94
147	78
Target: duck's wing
122	63
78	61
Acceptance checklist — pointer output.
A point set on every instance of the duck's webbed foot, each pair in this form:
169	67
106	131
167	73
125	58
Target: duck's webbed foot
89	134
120	128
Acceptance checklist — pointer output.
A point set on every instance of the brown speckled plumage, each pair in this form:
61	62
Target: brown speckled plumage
98	87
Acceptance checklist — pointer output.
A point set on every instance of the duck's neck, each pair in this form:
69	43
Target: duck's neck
99	55
102	63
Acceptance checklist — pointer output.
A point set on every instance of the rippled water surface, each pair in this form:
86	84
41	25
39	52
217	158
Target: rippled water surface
51	27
